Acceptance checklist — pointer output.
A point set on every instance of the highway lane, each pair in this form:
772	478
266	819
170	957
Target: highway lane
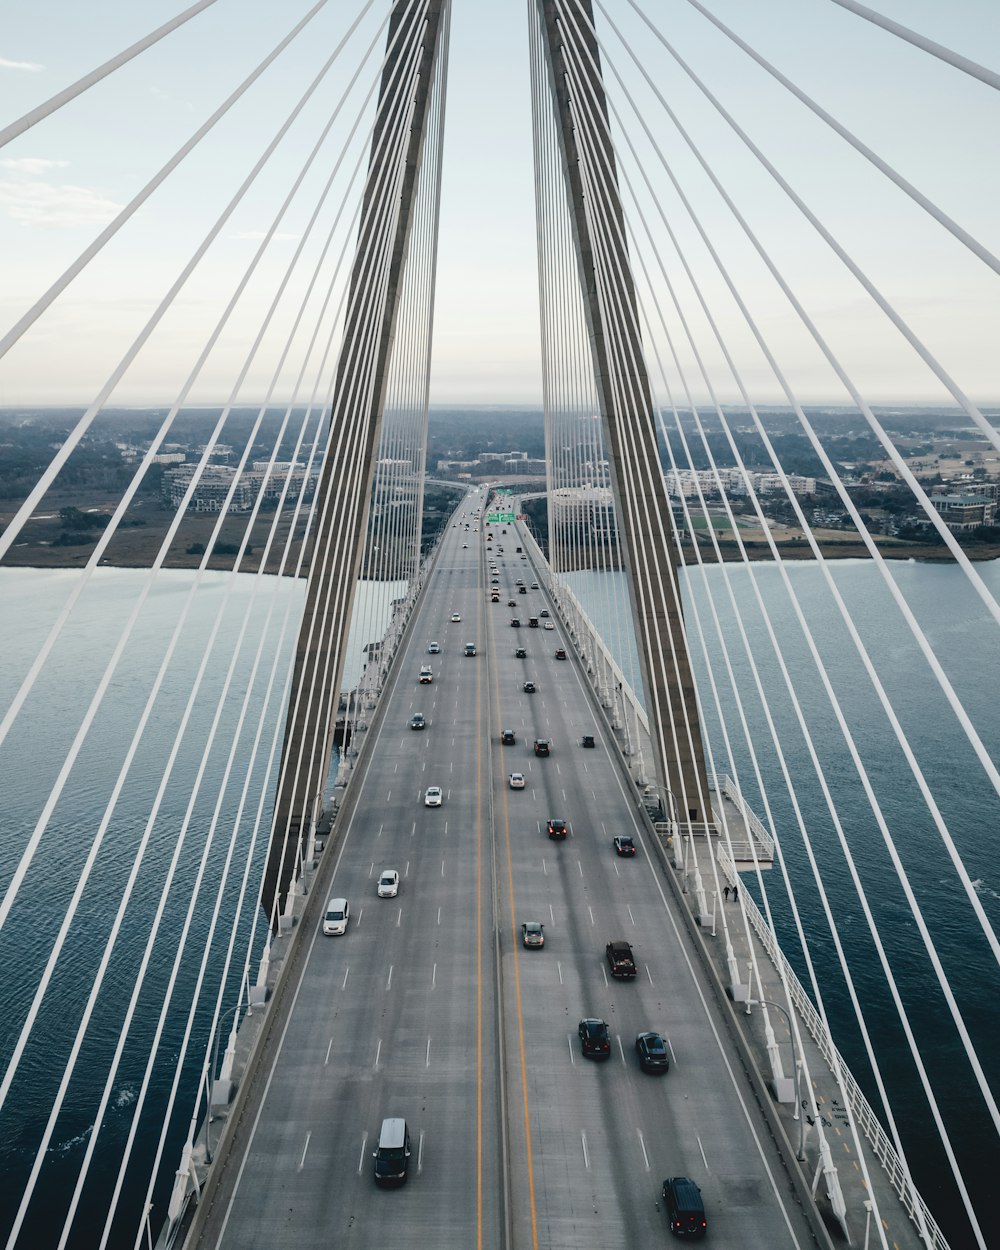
398	1016
591	1142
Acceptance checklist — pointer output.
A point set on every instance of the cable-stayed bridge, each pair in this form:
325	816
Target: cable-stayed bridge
194	762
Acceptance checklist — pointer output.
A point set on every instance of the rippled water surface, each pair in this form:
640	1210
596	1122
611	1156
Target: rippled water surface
66	815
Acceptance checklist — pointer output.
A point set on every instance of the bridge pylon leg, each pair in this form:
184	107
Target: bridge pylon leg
575	85
417	35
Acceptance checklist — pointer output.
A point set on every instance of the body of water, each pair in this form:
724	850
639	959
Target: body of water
231	805
966	641
190	826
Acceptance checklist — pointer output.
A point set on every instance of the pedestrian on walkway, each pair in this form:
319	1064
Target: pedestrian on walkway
734	893
726	893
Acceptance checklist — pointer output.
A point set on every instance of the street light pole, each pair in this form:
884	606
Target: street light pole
797	1064
211	1074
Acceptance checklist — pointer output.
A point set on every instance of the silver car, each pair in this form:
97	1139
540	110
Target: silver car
388	884
336	916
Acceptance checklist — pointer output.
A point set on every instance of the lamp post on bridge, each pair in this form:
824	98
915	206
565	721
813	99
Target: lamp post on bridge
796	1064
227	1063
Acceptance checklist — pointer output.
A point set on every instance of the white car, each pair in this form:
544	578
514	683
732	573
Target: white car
549	625
426	675
455	618
433	797
434	648
336	916
388	884
516	781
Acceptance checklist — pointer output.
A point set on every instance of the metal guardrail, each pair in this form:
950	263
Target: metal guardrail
753	822
864	1114
563	595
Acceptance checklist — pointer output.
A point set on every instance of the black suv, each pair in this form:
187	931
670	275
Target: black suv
520	654
620	958
685	1209
529	687
557	828
594	1039
652	1052
541	746
507	737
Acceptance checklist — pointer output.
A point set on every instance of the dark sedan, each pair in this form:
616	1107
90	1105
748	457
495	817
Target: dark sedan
595	1039
624	846
652	1052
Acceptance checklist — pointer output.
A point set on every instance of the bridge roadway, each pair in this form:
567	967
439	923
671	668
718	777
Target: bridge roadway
429	1007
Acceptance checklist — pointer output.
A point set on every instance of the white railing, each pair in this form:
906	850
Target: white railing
864	1115
563	594
753	823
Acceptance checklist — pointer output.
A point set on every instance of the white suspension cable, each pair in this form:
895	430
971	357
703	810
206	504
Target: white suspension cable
222	513
732	521
357	384
901	467
149	458
18	876
31	316
987	76
940	216
39	490
646	521
880	562
261	569
776	554
56	102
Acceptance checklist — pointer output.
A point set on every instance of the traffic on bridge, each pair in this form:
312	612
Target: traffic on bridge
481	1000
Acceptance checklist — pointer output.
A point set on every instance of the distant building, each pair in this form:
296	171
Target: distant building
962	513
685	483
211	490
524	467
220	453
501	457
213	487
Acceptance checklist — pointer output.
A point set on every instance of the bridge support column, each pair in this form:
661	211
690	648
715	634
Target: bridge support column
738	992
702	910
624	397
783	1086
828	1170
416	36
258	991
286	919
185	1180
310	852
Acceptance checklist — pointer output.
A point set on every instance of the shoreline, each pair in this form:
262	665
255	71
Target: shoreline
74	558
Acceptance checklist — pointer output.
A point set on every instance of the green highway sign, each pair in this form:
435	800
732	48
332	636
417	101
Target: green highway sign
499	518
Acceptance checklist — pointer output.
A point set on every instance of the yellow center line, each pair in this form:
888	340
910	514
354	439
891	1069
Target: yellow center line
479	955
517	975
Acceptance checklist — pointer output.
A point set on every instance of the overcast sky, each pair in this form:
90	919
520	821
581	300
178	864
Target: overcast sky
65	179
